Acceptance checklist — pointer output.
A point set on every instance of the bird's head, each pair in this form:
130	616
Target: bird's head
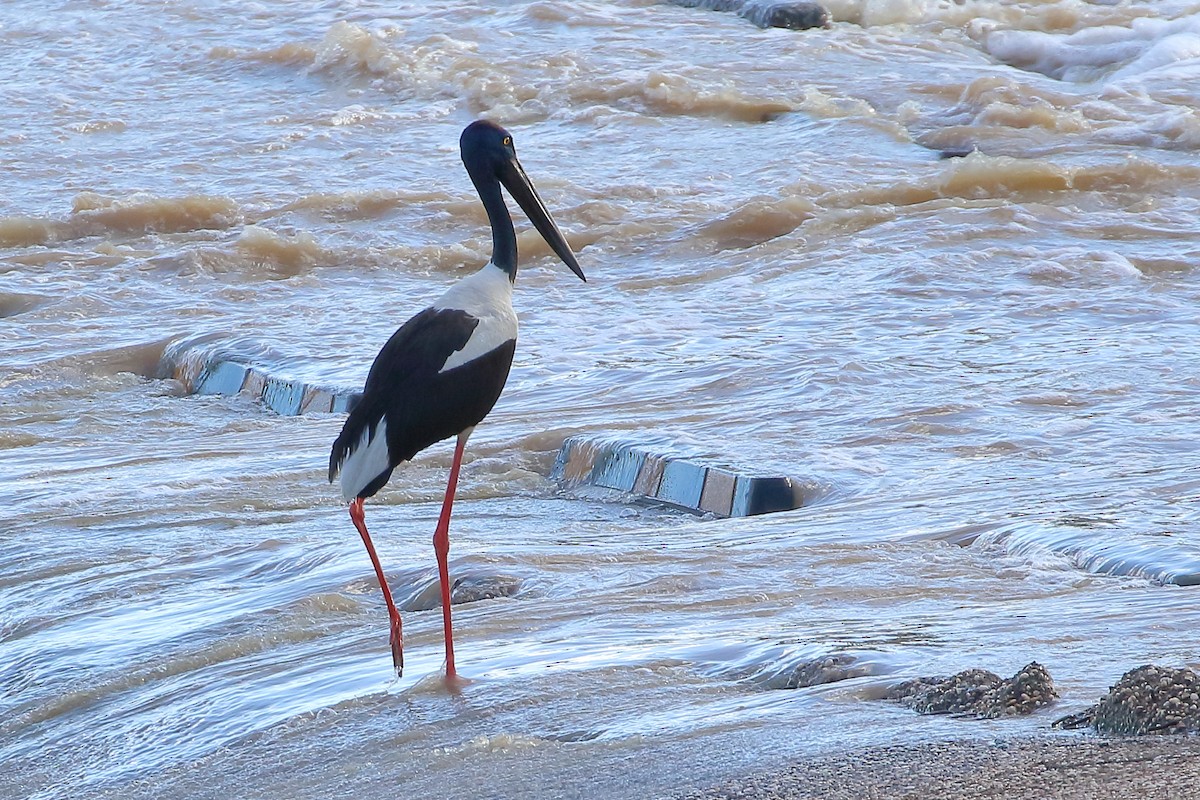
489	156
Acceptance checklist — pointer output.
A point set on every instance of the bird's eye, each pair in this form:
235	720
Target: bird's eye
507	141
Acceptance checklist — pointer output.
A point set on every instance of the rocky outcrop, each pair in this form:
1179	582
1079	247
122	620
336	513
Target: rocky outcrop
1148	699
978	693
827	669
768	13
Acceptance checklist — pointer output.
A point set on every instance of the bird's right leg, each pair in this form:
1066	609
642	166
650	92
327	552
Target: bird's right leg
397	639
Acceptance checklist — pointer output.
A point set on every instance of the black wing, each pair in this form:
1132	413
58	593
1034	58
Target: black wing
402	374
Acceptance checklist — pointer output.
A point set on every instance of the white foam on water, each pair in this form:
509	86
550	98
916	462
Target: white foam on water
881	13
1108	53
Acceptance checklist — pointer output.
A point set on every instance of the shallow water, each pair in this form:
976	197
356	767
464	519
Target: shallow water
983	367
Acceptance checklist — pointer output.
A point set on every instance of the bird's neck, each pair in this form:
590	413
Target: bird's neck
504	237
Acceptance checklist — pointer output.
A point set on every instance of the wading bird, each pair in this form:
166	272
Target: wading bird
443	370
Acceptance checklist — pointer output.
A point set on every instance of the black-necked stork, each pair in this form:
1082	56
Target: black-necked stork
443	370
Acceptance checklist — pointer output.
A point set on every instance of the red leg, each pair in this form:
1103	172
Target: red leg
396	638
441	547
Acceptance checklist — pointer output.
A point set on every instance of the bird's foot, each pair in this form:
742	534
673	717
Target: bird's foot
397	640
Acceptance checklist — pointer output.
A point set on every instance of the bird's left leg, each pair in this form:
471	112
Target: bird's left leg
441	547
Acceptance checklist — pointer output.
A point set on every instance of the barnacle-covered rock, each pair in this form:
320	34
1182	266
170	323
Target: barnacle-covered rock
827	669
978	693
1149	699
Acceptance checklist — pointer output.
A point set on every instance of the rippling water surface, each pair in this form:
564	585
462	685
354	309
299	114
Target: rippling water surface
939	261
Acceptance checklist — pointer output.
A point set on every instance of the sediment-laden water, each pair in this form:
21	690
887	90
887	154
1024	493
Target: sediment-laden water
984	366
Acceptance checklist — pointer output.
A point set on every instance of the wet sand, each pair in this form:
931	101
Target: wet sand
1043	767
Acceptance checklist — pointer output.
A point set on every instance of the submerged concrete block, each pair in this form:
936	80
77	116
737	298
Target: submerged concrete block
575	462
717	497
682	483
316	399
618	467
255	385
283	396
222	377
344	401
582	460
199	365
650	475
687	483
186	370
764	495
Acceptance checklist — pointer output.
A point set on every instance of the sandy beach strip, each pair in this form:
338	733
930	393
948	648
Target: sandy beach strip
1060	766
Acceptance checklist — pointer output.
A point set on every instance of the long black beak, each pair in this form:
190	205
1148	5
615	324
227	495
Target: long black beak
521	188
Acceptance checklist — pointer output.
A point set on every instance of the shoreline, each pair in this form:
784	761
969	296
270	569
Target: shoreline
1041	766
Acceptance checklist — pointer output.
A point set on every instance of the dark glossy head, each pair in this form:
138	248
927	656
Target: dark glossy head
489	156
485	146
